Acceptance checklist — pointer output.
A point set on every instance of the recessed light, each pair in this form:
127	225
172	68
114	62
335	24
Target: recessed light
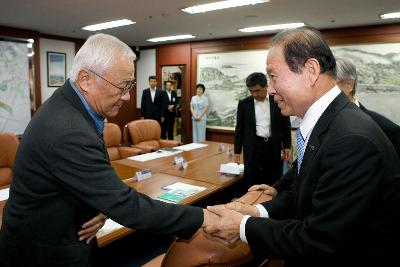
221	5
170	38
108	25
393	15
272	27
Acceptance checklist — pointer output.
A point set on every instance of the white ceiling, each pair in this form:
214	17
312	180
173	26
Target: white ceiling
156	18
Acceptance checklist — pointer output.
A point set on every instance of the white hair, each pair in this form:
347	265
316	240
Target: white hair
98	53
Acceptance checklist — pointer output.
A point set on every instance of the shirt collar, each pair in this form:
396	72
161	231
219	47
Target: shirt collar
315	111
98	120
356	102
266	100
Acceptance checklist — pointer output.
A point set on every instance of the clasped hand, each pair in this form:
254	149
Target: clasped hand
222	222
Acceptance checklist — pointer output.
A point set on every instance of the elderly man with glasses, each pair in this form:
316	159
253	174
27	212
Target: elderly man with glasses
62	175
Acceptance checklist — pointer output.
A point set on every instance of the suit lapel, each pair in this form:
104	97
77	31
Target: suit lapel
320	127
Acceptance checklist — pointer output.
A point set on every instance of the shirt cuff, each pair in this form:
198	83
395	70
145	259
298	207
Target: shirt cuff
263	212
243	228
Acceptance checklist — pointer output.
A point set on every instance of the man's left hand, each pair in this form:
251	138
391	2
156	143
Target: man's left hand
90	228
228	225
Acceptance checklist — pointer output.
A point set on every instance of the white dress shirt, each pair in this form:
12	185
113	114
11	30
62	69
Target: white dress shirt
169	95
306	126
153	94
263	117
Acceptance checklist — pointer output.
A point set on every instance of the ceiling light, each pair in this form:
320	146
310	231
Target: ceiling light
394	15
221	5
107	25
170	38
272	27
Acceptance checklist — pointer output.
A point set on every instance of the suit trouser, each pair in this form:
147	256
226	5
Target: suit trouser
168	126
199	130
263	168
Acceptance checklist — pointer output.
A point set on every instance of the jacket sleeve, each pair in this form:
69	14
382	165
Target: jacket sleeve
143	104
239	129
80	166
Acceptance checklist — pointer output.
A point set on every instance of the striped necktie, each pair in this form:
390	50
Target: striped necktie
300	148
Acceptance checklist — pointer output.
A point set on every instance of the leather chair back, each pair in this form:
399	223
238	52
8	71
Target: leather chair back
8	148
112	139
144	130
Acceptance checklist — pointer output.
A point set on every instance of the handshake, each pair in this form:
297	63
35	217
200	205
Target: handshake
222	222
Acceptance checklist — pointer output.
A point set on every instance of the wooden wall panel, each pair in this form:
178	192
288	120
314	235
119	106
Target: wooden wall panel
177	54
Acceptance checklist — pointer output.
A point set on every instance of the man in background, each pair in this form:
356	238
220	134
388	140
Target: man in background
171	101
263	133
152	106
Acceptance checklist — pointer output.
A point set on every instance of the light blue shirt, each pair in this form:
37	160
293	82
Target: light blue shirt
98	120
198	104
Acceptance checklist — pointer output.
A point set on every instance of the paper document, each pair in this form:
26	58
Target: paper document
154	155
178	191
108	227
231	168
4	193
190	146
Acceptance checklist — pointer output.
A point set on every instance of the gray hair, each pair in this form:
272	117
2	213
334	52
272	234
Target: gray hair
301	44
346	71
98	53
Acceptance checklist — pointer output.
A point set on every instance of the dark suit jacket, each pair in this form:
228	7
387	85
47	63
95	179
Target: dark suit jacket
245	132
152	110
391	129
174	101
62	178
344	206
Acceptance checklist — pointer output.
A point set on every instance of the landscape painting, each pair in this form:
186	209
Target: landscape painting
224	75
378	68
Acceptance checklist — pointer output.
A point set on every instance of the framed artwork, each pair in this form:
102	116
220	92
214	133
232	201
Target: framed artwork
56	69
224	75
378	68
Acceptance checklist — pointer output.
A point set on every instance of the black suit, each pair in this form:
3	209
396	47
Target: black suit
168	125
62	178
268	160
391	129
152	109
343	209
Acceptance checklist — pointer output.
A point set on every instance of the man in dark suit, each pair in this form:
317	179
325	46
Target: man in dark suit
344	203
62	174
152	106
263	132
171	101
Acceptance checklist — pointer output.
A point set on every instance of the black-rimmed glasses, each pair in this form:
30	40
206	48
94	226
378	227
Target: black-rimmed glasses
122	90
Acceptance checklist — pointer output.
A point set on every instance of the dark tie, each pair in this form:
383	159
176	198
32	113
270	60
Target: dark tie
300	148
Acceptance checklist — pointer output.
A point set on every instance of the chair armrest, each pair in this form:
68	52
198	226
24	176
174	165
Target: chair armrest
126	152
169	143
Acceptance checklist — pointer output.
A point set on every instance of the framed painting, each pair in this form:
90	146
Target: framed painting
56	69
224	76
378	68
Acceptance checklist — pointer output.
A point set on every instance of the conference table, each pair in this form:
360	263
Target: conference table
202	170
